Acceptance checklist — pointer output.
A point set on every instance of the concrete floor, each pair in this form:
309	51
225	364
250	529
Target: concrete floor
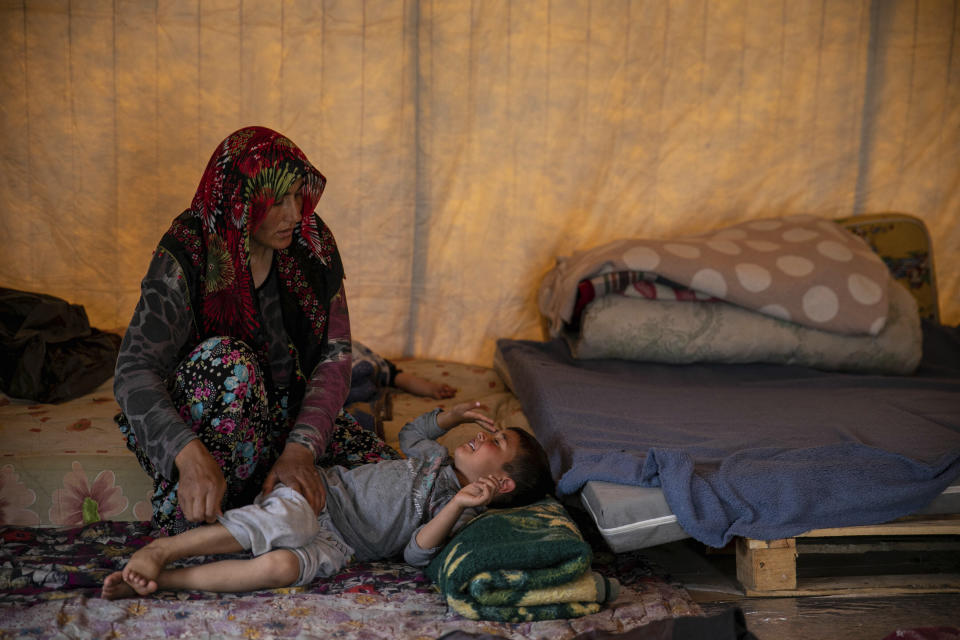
710	578
816	618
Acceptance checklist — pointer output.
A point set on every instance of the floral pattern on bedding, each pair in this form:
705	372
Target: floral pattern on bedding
50	579
67	464
346	616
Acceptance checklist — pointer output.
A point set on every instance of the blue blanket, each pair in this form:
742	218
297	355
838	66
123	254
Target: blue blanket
761	451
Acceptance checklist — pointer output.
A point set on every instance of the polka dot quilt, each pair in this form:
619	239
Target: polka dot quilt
803	269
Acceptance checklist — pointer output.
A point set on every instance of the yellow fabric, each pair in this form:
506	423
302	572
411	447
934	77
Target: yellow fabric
468	144
904	244
582	589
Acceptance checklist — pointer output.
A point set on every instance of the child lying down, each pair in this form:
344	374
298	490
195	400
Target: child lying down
373	511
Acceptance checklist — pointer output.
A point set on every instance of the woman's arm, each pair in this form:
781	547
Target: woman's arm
325	394
160	326
328	385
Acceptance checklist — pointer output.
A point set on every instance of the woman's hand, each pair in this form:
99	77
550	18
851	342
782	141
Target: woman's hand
202	486
295	469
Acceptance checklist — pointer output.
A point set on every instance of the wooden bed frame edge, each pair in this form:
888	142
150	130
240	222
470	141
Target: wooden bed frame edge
769	567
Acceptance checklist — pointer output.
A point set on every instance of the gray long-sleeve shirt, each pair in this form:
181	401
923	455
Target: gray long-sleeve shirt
379	508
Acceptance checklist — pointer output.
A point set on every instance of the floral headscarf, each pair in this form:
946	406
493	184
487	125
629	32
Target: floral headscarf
249	172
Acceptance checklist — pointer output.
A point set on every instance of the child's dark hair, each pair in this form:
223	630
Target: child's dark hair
530	471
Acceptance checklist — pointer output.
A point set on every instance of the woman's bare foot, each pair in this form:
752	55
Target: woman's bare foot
423	387
115	588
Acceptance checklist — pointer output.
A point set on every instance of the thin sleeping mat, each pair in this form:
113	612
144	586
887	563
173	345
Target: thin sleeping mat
630	517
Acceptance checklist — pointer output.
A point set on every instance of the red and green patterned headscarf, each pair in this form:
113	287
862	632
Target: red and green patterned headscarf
249	172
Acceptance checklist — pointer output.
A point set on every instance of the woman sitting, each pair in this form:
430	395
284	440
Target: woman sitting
236	364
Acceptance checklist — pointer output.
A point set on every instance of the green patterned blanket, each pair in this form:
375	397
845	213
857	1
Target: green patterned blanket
520	564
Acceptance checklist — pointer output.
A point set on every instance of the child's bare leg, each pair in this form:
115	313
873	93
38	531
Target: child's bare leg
274	569
146	564
423	387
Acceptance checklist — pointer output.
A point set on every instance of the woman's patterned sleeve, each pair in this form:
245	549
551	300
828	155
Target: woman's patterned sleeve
328	385
161	325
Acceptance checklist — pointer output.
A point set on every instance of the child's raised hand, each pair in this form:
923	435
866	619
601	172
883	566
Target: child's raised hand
478	493
466	412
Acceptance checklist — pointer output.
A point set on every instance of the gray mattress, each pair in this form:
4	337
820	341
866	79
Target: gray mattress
657	453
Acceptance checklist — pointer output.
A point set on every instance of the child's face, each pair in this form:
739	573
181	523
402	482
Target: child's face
486	453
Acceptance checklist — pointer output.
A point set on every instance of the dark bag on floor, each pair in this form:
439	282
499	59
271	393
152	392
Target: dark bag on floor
48	350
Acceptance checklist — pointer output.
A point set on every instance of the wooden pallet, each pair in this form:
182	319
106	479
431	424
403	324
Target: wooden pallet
769	567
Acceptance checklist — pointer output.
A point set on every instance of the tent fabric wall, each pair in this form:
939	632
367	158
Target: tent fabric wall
469	143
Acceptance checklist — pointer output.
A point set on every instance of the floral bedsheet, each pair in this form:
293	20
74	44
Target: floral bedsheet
50	580
67	464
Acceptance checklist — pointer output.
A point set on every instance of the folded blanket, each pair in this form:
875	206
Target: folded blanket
632	284
674	332
799	268
520	564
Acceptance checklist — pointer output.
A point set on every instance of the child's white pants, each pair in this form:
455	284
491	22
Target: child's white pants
283	519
